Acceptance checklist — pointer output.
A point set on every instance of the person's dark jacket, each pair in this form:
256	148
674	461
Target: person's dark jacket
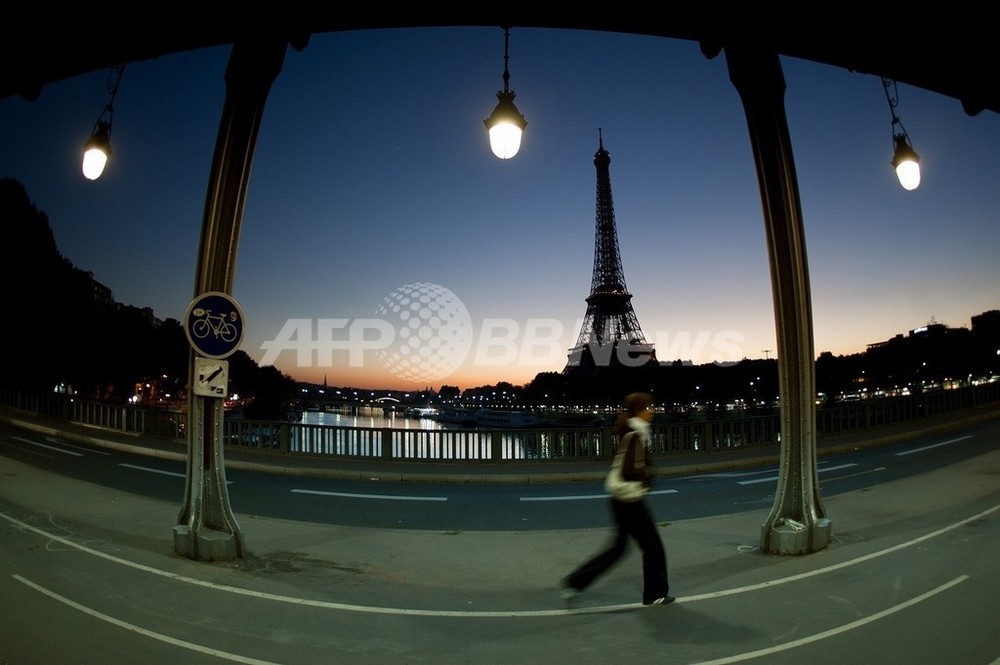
637	463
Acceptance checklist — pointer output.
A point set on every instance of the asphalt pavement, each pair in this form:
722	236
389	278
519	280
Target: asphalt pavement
912	575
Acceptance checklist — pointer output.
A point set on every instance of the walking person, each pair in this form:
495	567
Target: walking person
628	482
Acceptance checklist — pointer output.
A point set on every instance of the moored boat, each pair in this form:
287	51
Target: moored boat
421	412
500	419
457	416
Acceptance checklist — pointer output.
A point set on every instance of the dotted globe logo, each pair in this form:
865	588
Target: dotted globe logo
433	332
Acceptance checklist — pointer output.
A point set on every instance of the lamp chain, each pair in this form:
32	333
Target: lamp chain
506	59
893	100
114	80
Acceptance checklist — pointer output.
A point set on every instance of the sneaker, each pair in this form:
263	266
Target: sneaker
566	591
662	600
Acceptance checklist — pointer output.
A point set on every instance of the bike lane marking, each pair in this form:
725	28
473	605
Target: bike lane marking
191	646
371	609
747	655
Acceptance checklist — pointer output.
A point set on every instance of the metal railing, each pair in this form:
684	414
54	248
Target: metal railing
695	434
415	445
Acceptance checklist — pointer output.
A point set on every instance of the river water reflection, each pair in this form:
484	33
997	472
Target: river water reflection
376	418
363	435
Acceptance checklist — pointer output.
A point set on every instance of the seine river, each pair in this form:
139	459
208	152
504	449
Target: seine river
412	438
371	418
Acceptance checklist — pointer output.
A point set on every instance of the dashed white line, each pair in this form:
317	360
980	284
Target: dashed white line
578	497
771	479
42	445
92	451
159	471
935	445
704	477
866	472
391	497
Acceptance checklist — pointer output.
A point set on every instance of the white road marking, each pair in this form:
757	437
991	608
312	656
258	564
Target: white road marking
191	646
577	497
160	471
935	445
66	444
877	469
742	657
391	497
348	607
42	445
843	564
725	474
771	479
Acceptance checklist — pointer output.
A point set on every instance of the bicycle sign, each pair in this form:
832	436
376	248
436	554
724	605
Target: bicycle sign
213	324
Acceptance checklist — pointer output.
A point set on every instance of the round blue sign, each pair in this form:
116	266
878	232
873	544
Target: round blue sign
213	324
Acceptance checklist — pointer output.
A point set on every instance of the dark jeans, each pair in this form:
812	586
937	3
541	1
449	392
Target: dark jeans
631	520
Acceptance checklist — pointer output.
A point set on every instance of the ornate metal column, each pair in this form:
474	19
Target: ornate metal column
206	528
798	522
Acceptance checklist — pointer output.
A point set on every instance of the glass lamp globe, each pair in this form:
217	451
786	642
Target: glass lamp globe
505	125
96	151
505	139
907	164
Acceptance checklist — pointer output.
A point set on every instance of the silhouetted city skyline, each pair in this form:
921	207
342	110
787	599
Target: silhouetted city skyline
105	343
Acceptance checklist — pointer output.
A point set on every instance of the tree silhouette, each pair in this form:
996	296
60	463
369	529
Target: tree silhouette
63	328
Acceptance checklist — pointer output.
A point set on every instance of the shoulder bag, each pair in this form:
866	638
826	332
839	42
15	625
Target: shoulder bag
615	485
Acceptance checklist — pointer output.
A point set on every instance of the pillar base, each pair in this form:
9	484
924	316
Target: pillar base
207	544
791	537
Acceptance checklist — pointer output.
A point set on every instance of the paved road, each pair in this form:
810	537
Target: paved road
332	498
912	576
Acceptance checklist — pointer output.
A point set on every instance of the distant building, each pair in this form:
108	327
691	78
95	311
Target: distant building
936	355
103	296
987	325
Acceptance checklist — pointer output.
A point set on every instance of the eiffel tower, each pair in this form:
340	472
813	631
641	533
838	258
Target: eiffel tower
610	335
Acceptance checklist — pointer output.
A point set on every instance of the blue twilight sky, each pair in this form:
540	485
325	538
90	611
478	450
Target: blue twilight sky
373	173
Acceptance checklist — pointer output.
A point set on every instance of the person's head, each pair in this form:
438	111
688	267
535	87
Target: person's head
636	405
